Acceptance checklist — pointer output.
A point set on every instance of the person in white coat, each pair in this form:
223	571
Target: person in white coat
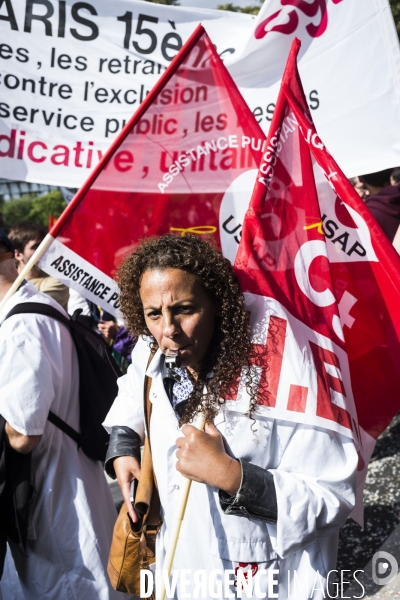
268	496
72	512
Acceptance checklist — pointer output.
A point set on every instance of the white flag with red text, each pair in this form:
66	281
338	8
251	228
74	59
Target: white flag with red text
73	73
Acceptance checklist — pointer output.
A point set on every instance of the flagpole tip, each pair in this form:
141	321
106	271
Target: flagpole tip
296	45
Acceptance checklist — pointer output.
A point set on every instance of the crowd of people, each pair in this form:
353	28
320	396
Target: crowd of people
381	193
266	493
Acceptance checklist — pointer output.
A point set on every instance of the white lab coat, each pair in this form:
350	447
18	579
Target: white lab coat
73	512
76	301
314	473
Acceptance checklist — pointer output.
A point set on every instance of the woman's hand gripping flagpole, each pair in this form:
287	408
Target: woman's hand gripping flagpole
176	526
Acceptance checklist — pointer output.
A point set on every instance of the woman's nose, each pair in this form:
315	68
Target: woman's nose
171	328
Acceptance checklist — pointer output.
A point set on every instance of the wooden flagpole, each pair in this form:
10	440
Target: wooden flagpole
176	525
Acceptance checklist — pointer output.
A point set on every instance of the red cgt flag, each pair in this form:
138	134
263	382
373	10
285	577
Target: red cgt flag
322	283
181	164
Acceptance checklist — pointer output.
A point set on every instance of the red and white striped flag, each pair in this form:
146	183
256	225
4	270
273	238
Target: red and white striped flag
322	283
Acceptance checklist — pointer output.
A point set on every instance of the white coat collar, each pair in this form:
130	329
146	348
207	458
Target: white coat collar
158	395
23	294
155	367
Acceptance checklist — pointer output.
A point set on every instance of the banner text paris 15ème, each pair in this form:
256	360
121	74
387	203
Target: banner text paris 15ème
72	74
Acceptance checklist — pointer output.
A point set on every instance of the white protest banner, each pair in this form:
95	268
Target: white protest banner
349	64
73	73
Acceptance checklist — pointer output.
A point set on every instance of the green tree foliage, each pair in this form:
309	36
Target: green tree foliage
253	9
16	210
43	207
395	6
30	208
169	2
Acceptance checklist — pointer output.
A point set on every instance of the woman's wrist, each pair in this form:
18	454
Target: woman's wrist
256	497
124	464
231	476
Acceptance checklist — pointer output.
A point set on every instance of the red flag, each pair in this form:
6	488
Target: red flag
168	171
322	283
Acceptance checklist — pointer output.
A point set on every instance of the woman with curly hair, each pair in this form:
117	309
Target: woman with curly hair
268	495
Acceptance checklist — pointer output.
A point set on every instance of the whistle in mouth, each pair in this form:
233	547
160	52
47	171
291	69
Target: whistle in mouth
172	359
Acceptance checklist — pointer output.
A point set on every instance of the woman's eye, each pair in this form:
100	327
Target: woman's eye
153	315
185	309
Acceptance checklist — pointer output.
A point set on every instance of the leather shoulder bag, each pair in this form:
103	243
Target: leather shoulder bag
133	544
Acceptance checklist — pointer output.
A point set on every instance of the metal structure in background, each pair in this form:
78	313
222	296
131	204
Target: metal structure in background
15	189
11	190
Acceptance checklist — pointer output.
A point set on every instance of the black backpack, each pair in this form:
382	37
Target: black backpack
98	374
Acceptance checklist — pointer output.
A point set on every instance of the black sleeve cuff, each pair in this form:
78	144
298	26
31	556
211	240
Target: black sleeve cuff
256	497
123	442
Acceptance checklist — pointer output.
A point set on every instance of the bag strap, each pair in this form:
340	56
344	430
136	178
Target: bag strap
147	500
65	428
147	405
40	309
49	311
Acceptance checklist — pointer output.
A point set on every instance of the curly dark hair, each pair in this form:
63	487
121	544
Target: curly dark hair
230	352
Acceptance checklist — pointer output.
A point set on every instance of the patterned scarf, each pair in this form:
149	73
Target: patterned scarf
182	389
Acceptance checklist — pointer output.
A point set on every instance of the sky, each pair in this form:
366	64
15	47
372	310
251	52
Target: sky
214	3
